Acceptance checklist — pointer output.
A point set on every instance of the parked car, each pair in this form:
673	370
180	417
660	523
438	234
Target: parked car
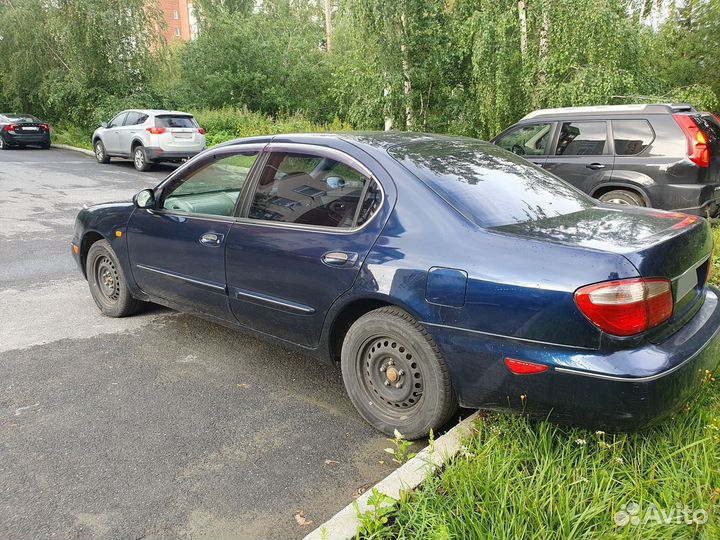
149	136
22	130
434	270
661	156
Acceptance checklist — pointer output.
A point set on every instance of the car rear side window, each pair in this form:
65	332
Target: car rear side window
530	140
134	118
314	190
213	189
631	136
175	121
488	185
582	139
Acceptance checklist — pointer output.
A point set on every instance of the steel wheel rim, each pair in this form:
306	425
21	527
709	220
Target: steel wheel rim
622	202
107	279
390	375
99	151
139	159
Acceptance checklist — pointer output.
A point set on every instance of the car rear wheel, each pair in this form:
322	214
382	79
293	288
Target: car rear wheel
140	159
622	197
100	152
395	375
3	144
108	286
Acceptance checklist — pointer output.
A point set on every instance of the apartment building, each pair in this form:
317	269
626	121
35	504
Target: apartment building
180	19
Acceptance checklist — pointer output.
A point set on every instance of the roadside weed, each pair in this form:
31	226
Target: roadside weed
401	448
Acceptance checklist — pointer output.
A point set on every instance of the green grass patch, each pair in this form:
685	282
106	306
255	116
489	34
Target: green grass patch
523	479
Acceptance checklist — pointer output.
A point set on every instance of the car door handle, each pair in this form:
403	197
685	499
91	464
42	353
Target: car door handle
595	166
339	258
211	239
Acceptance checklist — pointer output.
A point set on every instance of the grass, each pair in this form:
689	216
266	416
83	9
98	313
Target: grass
517	478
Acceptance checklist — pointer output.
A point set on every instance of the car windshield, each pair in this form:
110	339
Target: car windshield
488	185
21	118
175	121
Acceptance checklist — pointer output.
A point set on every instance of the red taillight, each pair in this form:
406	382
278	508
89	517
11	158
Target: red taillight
45	128
201	131
698	150
11	127
157	130
521	367
627	306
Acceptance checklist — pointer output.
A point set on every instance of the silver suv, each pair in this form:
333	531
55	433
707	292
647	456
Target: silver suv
149	136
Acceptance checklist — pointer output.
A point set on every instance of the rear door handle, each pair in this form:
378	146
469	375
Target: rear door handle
595	166
211	239
339	258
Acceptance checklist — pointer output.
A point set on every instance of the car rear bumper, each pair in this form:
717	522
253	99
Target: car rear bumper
621	390
698	199
158	154
25	138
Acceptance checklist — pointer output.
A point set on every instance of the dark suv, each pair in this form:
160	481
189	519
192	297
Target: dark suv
662	156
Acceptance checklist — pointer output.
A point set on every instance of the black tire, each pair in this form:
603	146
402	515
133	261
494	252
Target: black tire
45	146
100	152
390	338
622	197
108	285
140	159
3	144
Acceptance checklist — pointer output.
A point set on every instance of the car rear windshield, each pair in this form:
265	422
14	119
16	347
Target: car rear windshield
488	185
175	121
22	118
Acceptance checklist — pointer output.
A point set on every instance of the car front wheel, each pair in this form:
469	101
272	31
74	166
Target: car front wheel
140	159
395	375
108	285
100	152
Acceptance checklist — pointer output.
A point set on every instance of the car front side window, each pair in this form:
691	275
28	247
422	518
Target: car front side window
312	190
531	140
211	190
118	120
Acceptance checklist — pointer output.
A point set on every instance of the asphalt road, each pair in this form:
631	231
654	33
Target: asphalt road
160	425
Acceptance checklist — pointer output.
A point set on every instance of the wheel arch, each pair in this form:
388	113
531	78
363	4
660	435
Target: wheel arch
627	186
343	316
135	143
88	239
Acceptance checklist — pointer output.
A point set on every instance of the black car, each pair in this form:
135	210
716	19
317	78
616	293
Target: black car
23	130
661	156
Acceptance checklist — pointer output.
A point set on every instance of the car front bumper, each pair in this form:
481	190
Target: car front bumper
623	390
158	154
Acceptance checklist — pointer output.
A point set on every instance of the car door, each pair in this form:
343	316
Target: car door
305	230
177	248
129	129
111	135
530	141
582	154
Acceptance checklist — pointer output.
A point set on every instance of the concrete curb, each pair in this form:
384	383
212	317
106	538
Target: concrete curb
75	149
344	524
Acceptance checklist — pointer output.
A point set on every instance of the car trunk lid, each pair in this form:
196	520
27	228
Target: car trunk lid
660	244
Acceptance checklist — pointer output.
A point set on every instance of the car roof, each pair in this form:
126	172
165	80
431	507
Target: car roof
648	108
157	112
382	140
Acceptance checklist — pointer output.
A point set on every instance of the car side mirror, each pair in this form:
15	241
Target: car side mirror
104	125
144	199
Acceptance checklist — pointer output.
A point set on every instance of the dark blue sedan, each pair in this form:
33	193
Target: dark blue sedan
435	270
